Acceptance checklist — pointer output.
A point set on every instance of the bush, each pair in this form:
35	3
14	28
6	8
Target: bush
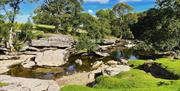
86	43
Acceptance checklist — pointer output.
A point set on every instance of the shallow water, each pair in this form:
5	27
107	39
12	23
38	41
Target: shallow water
71	66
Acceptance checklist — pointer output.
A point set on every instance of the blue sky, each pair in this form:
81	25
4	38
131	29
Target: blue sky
90	6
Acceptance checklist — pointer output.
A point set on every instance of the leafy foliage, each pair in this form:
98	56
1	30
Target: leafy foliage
121	24
160	26
58	13
86	43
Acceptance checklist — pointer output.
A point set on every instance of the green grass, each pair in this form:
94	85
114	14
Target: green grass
170	65
132	79
3	84
83	88
136	63
135	79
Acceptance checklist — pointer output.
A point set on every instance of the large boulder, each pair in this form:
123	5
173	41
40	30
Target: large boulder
112	71
27	84
108	71
75	79
60	41
52	58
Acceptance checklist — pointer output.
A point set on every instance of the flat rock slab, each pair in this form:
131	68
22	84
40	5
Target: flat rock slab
52	58
61	41
75	79
4	64
27	84
112	71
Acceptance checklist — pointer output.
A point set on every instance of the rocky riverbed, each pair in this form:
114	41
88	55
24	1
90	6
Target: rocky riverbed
55	59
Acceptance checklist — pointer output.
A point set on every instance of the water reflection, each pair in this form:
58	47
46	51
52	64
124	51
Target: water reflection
132	57
124	53
70	67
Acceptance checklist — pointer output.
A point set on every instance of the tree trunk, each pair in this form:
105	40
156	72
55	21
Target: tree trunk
10	41
57	28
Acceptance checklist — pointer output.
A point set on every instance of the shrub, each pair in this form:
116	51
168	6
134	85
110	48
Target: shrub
86	43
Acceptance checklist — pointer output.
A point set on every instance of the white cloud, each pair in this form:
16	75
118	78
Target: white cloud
90	11
129	0
99	1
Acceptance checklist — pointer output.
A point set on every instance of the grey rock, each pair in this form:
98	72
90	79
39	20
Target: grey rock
8	57
60	41
4	64
108	70
27	48
130	45
124	61
29	63
102	54
27	84
3	50
112	71
177	54
109	41
112	62
52	58
97	64
79	62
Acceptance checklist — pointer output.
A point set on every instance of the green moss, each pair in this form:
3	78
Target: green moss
135	63
3	84
83	88
135	79
170	65
131	79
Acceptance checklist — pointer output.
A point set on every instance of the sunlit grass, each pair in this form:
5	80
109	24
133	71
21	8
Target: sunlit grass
135	79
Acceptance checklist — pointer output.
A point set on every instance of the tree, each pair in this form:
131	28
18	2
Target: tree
92	25
121	24
105	18
159	26
1	19
11	9
58	12
105	14
121	9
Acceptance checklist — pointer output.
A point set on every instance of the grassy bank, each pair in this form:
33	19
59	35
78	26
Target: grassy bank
168	64
135	79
